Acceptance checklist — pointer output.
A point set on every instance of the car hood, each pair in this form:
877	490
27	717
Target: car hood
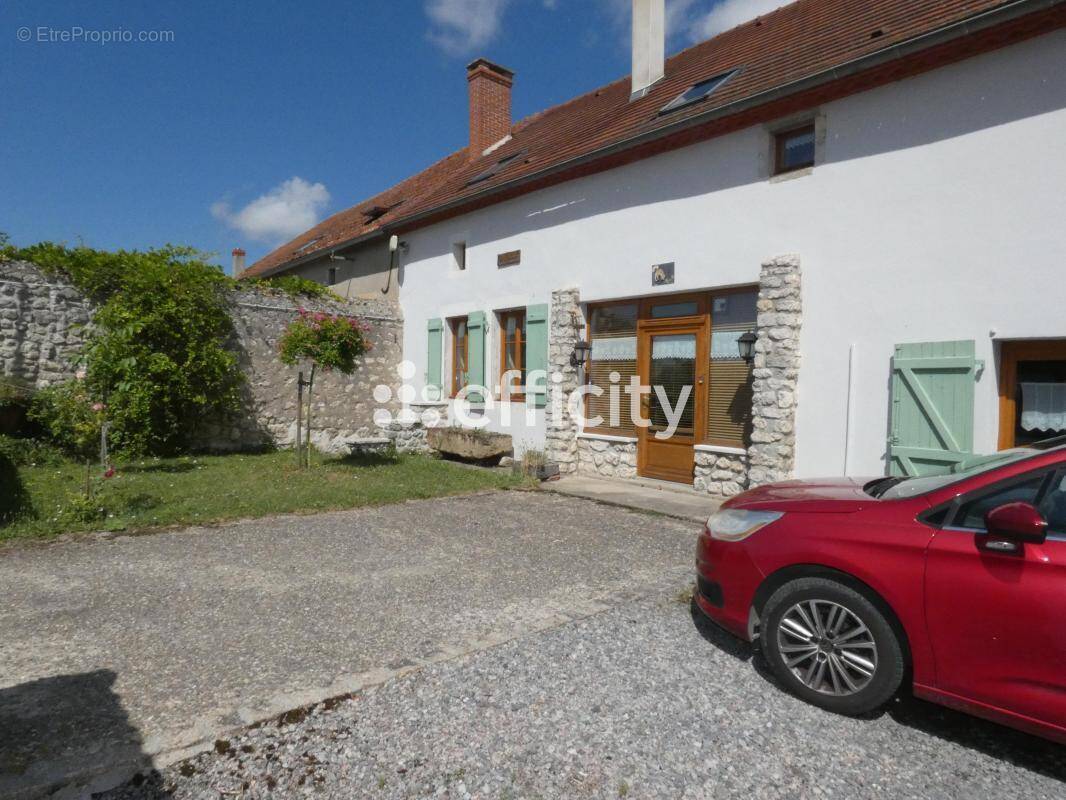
814	496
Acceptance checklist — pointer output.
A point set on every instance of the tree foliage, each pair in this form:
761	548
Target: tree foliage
331	342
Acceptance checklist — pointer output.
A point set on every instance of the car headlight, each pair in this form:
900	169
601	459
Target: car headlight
734	524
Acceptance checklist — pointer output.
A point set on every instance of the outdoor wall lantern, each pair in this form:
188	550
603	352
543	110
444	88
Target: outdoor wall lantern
746	343
581	352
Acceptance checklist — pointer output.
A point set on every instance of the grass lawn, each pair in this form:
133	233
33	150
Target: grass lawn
158	492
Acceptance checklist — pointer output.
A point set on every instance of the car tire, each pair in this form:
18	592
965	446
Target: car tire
852	660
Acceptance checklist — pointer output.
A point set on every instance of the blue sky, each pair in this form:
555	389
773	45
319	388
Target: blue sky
256	120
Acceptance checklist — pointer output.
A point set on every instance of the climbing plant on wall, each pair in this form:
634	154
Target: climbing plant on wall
156	356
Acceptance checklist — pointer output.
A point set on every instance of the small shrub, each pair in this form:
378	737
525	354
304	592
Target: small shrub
71	418
81	509
29	452
330	342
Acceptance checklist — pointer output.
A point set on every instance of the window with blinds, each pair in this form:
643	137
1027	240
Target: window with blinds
613	334
729	379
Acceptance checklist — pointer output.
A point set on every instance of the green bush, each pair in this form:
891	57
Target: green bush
71	417
297	286
157	355
29	452
331	342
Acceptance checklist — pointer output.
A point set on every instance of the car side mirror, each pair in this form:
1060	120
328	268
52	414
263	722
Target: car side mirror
1016	522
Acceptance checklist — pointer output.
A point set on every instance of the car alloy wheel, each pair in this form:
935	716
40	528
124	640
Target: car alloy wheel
827	647
833	645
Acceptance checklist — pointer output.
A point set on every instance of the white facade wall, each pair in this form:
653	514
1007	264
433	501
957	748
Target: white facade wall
936	211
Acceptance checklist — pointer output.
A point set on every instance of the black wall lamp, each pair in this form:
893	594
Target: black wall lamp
746	344
580	354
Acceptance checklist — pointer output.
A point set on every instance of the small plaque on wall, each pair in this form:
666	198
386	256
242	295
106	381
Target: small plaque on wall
662	274
511	259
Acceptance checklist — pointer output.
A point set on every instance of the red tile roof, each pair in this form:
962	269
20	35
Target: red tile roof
785	47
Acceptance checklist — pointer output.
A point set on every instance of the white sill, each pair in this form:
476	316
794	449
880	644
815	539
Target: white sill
607	437
721	449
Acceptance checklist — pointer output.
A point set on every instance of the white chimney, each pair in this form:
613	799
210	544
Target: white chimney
238	261
649	44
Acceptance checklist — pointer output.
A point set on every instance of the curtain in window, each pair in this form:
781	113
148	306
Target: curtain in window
1043	406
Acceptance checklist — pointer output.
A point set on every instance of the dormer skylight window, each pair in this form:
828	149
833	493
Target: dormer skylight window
307	245
698	93
495	168
378	211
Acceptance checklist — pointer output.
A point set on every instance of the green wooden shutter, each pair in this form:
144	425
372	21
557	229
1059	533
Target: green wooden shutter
537	351
932	407
434	359
475	368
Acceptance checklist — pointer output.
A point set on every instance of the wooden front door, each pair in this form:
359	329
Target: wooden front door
673	356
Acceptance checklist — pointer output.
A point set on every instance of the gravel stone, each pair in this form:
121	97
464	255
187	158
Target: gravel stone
644	700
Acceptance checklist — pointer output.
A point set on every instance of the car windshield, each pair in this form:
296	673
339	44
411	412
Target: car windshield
897	489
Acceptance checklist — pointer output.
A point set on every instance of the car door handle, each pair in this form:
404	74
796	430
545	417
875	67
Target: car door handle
1000	546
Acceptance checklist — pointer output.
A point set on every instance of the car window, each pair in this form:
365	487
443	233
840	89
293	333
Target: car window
910	487
1053	506
971	514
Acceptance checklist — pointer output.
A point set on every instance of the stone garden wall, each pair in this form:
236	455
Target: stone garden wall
42	327
42	322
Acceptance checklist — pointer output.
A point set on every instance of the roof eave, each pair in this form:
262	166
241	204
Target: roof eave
316	254
917	44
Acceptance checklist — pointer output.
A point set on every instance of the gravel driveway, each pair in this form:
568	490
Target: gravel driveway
641	701
119	649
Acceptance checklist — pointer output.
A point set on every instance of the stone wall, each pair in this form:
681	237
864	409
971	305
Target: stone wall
41	321
606	458
42	325
567	325
342	406
772	453
721	474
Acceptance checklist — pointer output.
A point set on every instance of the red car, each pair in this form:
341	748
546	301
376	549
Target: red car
956	582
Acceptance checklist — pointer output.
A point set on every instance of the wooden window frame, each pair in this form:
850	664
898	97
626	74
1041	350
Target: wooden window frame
1010	353
502	316
705	312
748	289
607	430
780	137
453	328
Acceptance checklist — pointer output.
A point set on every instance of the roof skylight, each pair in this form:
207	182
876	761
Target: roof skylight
306	245
488	173
695	94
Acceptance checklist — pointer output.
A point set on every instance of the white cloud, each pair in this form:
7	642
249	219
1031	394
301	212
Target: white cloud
459	27
728	14
285	211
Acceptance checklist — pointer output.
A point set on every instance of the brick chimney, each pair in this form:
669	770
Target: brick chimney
238	261
490	104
